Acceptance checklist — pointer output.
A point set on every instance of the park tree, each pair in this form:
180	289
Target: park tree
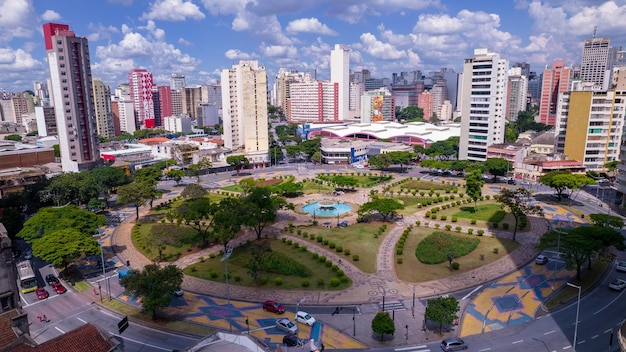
136	194
311	146
386	207
516	202
176	175
63	246
611	167
148	174
383	324
259	251
276	153
289	189
155	285
442	310
193	190
317	157
380	161
246	185
237	162
195	170
400	157
52	219
227	221
561	181
443	150
164	164
72	187
198	214
261	208
410	113
474	186
606	220
497	166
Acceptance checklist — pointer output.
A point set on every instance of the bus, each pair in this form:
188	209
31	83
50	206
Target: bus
28	281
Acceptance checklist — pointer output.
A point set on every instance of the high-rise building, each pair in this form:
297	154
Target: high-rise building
590	125
312	101
115	112
177	102
191	96
140	84
177	81
244	104
425	102
165	101
340	75
212	94
70	76
595	61
46	121
102	106
555	80
483	104
516	93
156	102
42	93
125	110
377	106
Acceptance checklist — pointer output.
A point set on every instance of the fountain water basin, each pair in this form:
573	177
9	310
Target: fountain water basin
326	208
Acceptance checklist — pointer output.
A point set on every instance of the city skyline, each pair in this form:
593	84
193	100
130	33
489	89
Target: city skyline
199	38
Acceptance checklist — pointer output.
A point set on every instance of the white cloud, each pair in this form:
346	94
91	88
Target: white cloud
183	41
17	19
50	15
173	10
151	27
380	50
279	51
235	54
309	25
101	32
18	67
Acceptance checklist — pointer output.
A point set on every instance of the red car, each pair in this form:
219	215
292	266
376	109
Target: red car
274	307
58	288
42	293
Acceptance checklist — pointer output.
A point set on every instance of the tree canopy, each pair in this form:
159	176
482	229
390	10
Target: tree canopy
474	185
65	245
155	285
261	208
497	166
442	310
386	207
383	324
136	194
410	113
561	181
516	201
443	150
237	162
198	214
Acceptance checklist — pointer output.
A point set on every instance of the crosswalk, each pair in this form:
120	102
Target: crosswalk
392	305
420	348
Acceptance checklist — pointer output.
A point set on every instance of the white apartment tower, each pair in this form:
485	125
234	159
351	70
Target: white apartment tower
595	61
244	107
340	75
102	105
70	77
516	93
483	104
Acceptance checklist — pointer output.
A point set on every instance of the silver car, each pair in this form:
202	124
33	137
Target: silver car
287	326
453	344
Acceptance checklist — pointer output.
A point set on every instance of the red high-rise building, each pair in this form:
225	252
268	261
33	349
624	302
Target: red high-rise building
165	95
140	85
555	80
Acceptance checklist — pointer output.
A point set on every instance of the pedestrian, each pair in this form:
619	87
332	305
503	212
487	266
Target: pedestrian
45	319
39	317
95	293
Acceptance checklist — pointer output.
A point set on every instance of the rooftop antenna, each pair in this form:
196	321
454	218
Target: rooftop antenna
595	30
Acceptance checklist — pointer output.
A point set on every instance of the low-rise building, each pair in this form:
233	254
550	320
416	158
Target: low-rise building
343	151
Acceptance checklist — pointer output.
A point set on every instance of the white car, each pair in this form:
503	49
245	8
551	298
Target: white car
621	266
305	318
617	284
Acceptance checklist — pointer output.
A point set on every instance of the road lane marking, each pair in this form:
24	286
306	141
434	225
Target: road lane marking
549	332
469	294
61	331
594	337
608	304
608	331
567	347
583	341
409	348
139	342
485	349
81	320
516	342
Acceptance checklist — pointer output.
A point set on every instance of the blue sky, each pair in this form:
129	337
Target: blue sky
199	38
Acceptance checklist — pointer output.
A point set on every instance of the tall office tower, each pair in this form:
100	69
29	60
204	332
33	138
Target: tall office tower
312	101
284	78
425	102
555	80
356	91
70	75
590	125
140	85
102	106
156	102
126	111
41	92
165	101
439	92
177	81
595	61
452	84
14	107
177	102
525	68
340	75
534	89
516	93
360	76
244	105
191	96
483	105
46	121
377	106
212	94
115	112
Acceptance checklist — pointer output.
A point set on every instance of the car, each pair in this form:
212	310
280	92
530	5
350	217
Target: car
59	288
359	166
541	259
511	181
28	255
305	318
617	284
179	292
453	344
51	279
620	266
342	224
274	307
292	340
42	293
287	326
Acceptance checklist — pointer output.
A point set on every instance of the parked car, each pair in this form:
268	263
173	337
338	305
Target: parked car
58	288
292	340
541	259
274	307
179	292
287	326
342	224
621	266
51	279
42	293
617	284
511	181
305	318
453	344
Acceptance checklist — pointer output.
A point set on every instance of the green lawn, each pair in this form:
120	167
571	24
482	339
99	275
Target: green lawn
214	270
180	239
310	187
357	238
426	186
413	270
490	212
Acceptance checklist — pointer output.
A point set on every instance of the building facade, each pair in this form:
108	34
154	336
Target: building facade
595	61
244	105
377	106
102	105
70	75
516	93
555	80
340	75
312	101
140	85
483	104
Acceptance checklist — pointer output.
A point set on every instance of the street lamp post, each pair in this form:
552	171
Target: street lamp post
577	312
298	306
104	272
229	251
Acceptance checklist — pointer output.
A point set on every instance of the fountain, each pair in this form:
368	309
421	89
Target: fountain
326	208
